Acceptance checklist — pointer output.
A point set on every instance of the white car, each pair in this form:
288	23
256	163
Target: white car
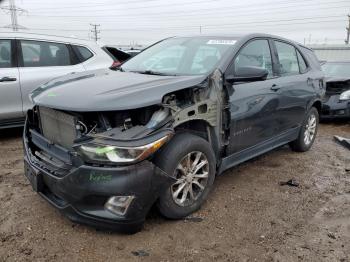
29	60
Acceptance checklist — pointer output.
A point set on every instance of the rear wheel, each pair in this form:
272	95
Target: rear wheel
190	160
307	132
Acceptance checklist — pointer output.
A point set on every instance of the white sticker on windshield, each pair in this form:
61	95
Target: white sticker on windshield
221	42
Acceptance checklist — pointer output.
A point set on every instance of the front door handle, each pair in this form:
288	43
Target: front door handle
275	87
8	79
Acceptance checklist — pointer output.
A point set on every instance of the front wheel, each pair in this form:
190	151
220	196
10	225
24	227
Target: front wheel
307	132
191	161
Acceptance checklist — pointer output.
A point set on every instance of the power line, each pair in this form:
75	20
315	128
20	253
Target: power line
279	20
274	3
93	5
190	12
147	6
132	8
95	31
241	26
207	18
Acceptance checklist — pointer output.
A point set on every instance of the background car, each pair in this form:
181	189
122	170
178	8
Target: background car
30	60
336	103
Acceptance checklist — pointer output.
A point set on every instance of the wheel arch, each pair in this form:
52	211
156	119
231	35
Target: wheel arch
317	104
202	128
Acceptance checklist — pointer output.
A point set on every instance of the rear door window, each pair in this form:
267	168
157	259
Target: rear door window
5	54
288	59
255	53
39	54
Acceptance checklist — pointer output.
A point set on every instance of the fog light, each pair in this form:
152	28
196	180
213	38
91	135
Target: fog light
340	112
119	204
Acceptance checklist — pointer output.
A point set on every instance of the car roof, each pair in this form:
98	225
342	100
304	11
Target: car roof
55	38
242	37
233	36
226	36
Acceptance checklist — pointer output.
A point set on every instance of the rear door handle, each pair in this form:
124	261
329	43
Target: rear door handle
8	79
275	87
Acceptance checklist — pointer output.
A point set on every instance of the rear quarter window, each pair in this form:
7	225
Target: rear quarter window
82	53
311	57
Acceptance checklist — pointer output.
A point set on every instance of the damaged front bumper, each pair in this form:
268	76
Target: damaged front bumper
82	191
335	108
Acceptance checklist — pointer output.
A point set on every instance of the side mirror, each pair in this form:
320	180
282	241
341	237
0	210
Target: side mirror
248	74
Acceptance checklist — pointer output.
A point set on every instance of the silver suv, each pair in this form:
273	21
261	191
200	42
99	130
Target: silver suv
30	60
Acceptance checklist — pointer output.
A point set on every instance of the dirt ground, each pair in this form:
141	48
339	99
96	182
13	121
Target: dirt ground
248	217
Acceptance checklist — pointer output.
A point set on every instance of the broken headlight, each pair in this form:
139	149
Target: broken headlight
100	153
345	96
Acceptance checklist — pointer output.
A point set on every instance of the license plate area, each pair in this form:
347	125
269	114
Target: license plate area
34	176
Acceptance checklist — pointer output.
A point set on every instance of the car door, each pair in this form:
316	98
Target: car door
10	93
294	86
252	104
41	61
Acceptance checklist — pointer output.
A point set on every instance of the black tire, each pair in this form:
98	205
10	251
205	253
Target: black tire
299	145
168	160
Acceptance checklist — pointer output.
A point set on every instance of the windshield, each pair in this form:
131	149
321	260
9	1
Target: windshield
180	56
336	69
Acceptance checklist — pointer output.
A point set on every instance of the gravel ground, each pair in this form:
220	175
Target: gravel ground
248	216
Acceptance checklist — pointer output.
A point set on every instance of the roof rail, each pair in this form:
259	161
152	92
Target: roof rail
40	34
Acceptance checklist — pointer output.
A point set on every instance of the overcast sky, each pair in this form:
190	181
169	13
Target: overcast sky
146	21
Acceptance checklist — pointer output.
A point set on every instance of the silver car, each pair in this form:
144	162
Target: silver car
30	60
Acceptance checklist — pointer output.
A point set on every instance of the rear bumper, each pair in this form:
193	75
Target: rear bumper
82	193
333	108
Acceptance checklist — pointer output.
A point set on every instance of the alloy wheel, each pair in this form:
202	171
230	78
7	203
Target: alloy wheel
192	176
310	129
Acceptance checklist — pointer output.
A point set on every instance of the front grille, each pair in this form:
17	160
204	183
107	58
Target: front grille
57	126
336	88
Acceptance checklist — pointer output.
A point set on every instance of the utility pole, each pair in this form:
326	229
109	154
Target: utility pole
200	29
13	10
95	31
348	32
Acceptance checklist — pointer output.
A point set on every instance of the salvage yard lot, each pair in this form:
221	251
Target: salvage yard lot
248	216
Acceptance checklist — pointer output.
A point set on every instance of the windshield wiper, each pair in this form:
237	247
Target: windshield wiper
150	72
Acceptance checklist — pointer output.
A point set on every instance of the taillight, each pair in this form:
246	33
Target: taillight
115	64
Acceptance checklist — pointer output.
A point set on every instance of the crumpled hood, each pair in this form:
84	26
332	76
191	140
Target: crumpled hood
107	90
